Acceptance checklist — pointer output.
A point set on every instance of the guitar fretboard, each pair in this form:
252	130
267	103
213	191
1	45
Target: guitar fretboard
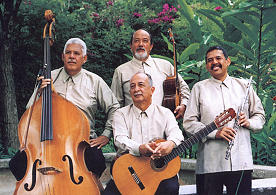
198	136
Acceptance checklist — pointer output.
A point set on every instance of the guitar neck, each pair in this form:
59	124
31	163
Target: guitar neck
188	143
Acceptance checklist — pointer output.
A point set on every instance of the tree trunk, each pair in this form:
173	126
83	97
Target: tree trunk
8	106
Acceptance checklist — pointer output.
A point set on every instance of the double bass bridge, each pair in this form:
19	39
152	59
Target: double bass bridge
49	170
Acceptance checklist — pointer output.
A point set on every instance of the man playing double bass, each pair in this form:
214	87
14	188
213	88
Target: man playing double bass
87	91
135	125
141	45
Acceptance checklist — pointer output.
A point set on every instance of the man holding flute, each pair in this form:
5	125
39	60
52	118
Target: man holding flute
208	99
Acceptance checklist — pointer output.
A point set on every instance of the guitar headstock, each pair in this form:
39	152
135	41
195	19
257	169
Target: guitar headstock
225	117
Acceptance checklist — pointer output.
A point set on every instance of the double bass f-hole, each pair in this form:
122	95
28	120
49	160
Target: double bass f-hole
171	85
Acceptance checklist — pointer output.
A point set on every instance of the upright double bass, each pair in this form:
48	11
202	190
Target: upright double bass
54	133
171	85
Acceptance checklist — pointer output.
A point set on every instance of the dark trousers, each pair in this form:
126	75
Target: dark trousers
236	182
93	157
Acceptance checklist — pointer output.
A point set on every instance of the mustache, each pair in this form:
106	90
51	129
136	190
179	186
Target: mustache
214	65
140	48
71	61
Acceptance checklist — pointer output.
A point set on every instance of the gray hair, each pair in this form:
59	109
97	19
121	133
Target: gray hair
150	79
76	41
148	76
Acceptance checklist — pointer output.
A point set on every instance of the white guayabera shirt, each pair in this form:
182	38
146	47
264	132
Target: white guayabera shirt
208	99
132	127
87	91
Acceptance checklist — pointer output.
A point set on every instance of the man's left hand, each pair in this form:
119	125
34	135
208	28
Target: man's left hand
180	110
99	141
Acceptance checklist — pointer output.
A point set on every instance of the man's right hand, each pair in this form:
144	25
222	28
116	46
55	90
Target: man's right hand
226	133
44	83
146	149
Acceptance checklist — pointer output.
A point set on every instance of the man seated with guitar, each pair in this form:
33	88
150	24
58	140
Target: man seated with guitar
135	125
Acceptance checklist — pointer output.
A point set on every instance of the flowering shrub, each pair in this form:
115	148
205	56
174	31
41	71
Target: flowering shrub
137	15
119	22
168	14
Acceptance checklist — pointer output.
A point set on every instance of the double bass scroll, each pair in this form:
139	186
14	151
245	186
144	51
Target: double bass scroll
171	85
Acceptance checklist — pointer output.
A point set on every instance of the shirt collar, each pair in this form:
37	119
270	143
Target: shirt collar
226	81
148	111
148	62
75	79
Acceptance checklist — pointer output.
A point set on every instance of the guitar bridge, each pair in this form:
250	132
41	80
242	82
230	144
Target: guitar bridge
136	178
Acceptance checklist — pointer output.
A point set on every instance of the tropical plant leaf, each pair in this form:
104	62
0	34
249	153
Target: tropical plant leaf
210	14
191	49
188	13
163	57
236	46
243	28
272	119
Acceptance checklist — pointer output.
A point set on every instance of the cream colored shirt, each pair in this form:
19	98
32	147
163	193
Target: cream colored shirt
132	127
208	99
87	91
157	68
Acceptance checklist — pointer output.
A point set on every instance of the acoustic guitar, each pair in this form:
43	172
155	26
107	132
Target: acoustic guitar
142	175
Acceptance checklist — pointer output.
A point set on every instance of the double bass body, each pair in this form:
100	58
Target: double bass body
56	166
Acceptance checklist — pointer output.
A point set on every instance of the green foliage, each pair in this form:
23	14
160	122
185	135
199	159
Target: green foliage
6	154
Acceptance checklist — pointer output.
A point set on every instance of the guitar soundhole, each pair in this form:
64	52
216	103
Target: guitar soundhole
159	163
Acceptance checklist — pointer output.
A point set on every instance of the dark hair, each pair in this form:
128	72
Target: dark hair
131	38
217	47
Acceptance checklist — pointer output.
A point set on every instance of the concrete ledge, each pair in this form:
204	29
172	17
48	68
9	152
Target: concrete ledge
4	163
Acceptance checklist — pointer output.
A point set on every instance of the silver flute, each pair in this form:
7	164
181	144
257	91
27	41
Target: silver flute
236	124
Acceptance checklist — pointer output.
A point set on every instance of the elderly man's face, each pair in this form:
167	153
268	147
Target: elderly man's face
140	45
73	59
217	65
140	89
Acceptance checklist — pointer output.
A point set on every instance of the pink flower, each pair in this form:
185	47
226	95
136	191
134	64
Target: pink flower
96	15
109	3
120	22
166	7
166	19
154	21
217	8
137	15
